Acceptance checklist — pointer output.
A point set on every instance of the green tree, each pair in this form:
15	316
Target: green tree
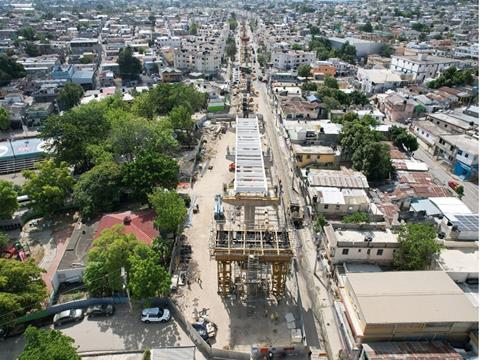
52	344
330	103
99	189
49	187
8	199
376	163
460	190
170	209
163	247
262	59
296	47
417	247
330	82
232	23
27	33
309	86
386	50
356	218
421	27
401	138
193	29
231	48
161	99
147	278
320	222
10	69
304	70
21	290
69	96
32	50
314	30
367	27
129	66
70	134
109	253
4	241
148	171
4	119
358	98
181	119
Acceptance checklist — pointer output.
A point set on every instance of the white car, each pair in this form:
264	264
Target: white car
155	314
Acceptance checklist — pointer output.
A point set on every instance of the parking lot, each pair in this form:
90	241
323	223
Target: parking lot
122	331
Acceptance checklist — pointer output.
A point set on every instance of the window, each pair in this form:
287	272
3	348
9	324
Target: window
379	252
368	251
326	206
460	152
345	251
359	250
466	155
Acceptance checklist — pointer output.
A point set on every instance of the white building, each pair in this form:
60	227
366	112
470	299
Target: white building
466	51
355	243
206	62
373	81
363	47
422	66
291	59
169	41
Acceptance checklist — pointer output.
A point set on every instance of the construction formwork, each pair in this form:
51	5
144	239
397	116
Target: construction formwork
251	261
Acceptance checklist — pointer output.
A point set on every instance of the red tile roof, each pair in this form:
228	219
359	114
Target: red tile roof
139	224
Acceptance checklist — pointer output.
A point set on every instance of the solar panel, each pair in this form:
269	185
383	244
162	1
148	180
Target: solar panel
466	222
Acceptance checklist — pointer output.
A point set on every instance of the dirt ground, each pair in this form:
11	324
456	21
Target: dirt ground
236	330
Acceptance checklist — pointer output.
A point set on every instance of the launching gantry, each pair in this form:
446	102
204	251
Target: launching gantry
250	242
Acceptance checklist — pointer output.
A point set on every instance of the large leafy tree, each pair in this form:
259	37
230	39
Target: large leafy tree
417	247
402	138
51	344
148	171
376	163
358	141
180	118
129	66
70	134
164	97
49	187
110	252
8	199
21	290
330	82
170	209
304	70
147	278
10	69
99	189
4	119
69	96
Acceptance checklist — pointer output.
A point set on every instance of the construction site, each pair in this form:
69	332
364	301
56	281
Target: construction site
240	266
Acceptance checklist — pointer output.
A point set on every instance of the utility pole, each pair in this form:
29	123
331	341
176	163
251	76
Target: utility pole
125	287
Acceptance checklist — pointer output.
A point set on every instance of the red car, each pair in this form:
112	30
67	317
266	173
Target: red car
453	184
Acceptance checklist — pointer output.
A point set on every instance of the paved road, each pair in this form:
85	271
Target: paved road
444	176
316	300
123	331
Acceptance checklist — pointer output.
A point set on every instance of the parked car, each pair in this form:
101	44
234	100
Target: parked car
155	314
201	330
73	315
100	310
453	184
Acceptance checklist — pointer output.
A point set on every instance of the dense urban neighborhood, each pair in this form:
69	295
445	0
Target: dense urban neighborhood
184	179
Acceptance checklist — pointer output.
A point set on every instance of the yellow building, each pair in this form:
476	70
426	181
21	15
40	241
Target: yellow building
316	155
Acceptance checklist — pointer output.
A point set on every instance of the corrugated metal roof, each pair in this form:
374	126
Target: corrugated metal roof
180	353
339	179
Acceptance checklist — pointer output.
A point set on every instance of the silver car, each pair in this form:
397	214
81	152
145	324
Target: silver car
73	315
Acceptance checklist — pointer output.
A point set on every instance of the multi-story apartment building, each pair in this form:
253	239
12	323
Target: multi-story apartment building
459	151
422	66
291	59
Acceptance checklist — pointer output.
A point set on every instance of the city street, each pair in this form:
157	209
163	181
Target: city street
444	176
316	299
122	331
